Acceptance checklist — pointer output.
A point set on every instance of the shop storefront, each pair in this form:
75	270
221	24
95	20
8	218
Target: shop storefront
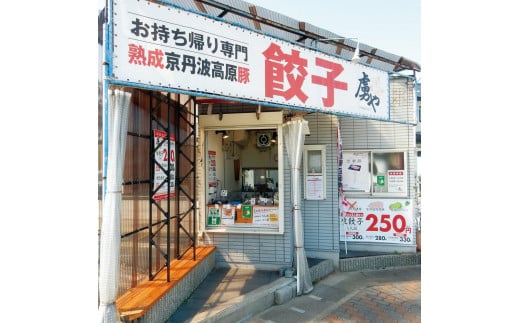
268	149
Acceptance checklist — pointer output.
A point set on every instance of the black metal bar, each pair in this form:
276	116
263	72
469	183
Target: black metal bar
135	182
158	187
187	233
186	194
178	166
302	38
187	157
135	134
155	112
161	99
190	210
223	13
194	128
162	223
184	214
187	175
142	228
157	205
168	178
188	136
150	189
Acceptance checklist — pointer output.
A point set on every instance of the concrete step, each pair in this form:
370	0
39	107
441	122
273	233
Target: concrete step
245	306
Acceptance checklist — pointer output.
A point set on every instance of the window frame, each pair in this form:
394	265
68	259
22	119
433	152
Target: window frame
323	173
248	121
372	180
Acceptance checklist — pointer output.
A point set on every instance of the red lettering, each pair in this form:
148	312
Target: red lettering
330	80
280	67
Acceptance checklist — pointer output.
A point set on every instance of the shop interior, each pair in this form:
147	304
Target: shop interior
247	170
243	176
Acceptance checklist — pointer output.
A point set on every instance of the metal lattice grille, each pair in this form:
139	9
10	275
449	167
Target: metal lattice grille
154	232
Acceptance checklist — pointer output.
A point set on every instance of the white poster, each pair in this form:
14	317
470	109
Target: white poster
212	168
377	220
396	181
314	187
356	175
212	175
162	156
168	47
339	157
228	214
265	216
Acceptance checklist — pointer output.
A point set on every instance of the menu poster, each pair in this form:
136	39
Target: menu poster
228	214
164	162
314	187
265	216
212	175
356	176
396	181
212	168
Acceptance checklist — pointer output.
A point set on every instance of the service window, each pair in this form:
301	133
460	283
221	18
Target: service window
380	172
244	174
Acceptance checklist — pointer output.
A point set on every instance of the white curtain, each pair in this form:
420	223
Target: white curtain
110	240
294	137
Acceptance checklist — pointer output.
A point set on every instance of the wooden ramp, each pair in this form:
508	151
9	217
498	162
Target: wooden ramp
156	300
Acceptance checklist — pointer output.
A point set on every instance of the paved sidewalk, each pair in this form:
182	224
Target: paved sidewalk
386	295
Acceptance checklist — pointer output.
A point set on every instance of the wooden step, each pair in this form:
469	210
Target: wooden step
136	301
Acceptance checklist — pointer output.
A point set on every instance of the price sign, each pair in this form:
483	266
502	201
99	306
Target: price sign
265	216
163	156
382	221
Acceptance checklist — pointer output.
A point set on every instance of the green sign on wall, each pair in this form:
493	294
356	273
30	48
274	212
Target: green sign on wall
381	180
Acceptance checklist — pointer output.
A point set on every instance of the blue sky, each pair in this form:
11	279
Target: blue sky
393	26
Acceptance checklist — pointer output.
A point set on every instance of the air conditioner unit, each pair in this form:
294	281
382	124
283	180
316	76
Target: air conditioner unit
263	140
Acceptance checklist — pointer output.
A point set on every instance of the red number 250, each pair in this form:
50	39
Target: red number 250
398	223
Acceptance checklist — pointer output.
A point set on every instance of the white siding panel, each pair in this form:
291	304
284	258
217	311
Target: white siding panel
359	139
320	218
251	247
402	100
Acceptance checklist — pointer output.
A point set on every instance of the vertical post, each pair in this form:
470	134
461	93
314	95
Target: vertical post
168	201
